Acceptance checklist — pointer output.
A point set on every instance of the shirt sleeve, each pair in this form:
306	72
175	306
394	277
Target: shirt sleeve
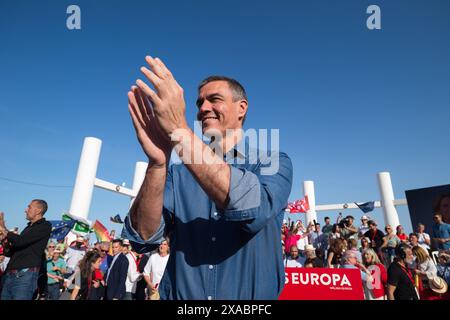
255	197
35	234
393	277
77	277
148	267
147	245
132	274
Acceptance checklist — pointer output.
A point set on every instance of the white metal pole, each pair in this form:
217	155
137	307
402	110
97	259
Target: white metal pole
139	176
387	199
308	190
84	183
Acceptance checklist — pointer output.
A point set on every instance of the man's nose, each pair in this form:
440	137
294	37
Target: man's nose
205	107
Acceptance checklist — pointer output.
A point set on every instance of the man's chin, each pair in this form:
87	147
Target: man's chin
211	130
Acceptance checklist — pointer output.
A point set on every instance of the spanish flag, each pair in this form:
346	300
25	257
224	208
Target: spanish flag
100	231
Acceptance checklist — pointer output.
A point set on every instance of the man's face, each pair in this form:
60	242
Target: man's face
409	255
327	221
317	227
216	109
364	221
116	248
32	211
163	247
294	253
125	249
350	221
372	227
445	209
103	250
352	259
413	239
437	218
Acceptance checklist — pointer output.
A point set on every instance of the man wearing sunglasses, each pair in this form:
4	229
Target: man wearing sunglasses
441	232
106	257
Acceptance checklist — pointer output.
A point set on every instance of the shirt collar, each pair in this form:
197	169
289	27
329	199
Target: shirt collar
37	222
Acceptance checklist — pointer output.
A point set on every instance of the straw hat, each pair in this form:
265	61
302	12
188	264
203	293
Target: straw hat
309	247
438	285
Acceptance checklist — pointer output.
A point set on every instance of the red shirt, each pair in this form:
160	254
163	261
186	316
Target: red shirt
379	280
402	237
98	275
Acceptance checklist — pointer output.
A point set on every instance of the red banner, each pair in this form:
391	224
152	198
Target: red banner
322	284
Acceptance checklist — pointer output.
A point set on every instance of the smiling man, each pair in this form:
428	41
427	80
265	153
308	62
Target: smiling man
223	215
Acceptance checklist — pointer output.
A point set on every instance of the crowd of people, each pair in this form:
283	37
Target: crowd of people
35	266
393	265
101	271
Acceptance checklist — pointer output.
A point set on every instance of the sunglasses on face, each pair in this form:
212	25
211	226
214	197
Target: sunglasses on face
104	250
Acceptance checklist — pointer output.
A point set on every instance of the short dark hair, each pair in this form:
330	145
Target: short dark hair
237	88
372	222
326	218
42	204
350	217
118	241
414	234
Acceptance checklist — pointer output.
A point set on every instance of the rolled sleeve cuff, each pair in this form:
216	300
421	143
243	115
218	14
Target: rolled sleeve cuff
140	245
244	196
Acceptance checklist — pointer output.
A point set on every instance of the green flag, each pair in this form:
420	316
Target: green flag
81	227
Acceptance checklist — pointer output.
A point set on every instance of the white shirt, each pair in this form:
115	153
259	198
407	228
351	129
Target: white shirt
4	264
295	263
363	229
422	243
302	242
73	257
156	265
132	275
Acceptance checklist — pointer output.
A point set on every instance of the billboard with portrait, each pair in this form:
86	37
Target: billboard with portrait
424	203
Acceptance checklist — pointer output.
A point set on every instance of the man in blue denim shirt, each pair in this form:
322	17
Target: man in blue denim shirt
223	207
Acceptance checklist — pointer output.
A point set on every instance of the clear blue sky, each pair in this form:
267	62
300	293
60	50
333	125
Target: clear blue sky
349	102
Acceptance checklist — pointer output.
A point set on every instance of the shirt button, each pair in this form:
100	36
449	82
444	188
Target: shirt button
213	238
209	298
211	267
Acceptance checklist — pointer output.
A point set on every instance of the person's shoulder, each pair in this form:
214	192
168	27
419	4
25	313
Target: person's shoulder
44	223
394	267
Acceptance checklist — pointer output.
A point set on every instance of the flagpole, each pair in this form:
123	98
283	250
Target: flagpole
387	199
308	190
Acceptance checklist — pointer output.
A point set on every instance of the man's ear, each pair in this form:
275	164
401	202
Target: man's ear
242	109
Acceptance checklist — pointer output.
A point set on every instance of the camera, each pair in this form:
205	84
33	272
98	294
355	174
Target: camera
344	223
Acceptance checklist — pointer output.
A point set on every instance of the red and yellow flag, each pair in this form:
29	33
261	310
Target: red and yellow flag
100	231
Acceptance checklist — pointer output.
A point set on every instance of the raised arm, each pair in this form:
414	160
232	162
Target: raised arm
146	211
